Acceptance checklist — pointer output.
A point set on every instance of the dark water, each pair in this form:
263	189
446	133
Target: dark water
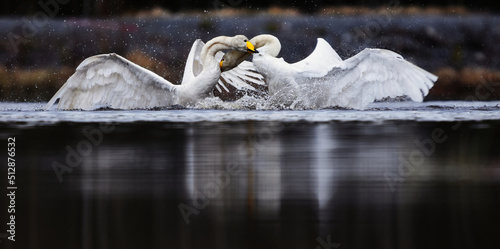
393	184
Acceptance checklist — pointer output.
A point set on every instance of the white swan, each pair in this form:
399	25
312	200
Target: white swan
323	79
109	80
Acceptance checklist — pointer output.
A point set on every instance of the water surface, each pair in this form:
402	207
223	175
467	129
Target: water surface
397	175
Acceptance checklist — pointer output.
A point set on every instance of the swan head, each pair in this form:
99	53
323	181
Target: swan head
242	43
267	44
232	59
243	48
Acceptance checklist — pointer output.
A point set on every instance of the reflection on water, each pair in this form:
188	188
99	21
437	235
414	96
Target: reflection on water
259	185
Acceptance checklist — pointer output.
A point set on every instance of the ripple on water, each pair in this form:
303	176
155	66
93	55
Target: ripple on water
245	109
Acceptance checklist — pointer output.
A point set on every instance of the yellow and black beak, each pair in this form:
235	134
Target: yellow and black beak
251	48
220	63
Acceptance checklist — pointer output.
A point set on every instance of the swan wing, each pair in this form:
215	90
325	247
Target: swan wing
319	62
194	65
242	77
374	74
109	80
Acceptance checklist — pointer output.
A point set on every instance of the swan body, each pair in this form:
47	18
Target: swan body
323	79
109	80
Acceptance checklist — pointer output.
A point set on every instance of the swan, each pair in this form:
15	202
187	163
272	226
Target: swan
323	79
109	80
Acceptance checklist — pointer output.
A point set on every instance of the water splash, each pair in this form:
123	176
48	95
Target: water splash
246	102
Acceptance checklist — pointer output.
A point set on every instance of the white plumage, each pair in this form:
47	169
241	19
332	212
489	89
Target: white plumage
111	81
323	79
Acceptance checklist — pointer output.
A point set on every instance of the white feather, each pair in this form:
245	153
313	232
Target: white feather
112	81
324	80
109	80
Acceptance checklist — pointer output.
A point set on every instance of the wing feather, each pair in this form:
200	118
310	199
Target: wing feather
374	74
319	62
242	77
109	80
194	65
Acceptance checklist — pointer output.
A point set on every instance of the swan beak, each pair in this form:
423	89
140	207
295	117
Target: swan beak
220	63
251	48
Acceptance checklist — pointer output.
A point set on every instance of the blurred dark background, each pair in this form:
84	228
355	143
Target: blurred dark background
101	8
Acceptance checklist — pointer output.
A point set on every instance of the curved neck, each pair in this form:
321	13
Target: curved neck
212	47
268	44
205	81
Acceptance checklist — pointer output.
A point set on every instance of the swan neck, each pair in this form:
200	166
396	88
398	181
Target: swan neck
268	44
212	47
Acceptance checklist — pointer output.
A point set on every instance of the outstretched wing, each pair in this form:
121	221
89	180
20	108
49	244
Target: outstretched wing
109	80
319	62
374	74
